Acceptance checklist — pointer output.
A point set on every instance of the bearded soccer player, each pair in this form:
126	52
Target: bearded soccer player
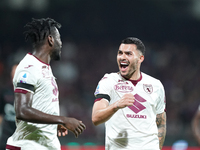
36	93
131	103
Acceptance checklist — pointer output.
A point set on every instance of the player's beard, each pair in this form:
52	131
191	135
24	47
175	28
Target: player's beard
131	70
55	55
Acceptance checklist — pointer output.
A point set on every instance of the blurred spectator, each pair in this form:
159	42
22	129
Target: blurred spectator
7	112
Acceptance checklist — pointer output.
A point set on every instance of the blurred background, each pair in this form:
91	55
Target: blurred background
91	34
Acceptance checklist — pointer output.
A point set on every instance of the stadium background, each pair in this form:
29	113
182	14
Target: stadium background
91	33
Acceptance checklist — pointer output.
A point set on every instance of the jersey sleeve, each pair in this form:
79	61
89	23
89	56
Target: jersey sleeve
25	80
103	89
161	103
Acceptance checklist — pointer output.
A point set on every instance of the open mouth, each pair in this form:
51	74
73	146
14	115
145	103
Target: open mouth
123	66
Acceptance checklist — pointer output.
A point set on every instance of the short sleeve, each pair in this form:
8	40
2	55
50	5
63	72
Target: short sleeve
161	103
25	80
103	89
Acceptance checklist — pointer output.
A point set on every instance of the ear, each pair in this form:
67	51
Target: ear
141	58
50	40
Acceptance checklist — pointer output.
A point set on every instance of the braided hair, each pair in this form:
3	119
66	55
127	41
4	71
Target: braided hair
39	29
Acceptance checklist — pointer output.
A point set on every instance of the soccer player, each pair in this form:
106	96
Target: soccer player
195	125
36	93
131	103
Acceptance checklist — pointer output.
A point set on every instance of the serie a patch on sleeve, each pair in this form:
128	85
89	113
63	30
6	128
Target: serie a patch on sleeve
23	77
97	90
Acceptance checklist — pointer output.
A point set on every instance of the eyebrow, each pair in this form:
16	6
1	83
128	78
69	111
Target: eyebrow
125	51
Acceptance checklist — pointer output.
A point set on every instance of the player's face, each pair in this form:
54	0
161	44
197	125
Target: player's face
56	52
129	60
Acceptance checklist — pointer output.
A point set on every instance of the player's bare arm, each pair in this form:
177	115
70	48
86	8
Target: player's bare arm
102	111
25	112
195	126
161	124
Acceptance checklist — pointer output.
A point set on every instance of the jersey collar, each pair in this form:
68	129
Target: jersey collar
134	82
38	59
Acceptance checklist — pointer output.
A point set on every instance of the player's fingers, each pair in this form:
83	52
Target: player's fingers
59	133
83	125
66	132
76	133
63	134
79	131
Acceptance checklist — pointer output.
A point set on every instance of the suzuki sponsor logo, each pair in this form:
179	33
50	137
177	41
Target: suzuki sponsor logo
123	87
136	116
137	106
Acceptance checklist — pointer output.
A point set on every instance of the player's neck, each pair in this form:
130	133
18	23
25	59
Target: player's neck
136	75
42	55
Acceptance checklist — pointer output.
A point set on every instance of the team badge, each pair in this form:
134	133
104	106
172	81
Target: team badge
148	88
45	72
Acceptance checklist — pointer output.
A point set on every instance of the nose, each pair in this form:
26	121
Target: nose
123	56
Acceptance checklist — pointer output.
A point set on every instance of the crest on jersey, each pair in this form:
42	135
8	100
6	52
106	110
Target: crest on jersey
148	88
45	72
23	77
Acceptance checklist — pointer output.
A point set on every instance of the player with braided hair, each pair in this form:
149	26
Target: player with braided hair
39	29
36	93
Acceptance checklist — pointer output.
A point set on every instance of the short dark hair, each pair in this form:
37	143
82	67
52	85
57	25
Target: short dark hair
137	42
39	29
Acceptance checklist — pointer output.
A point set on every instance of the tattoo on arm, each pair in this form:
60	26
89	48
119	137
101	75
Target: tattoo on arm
161	124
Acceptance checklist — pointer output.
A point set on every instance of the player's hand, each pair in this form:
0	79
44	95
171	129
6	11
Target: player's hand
127	100
75	126
62	131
